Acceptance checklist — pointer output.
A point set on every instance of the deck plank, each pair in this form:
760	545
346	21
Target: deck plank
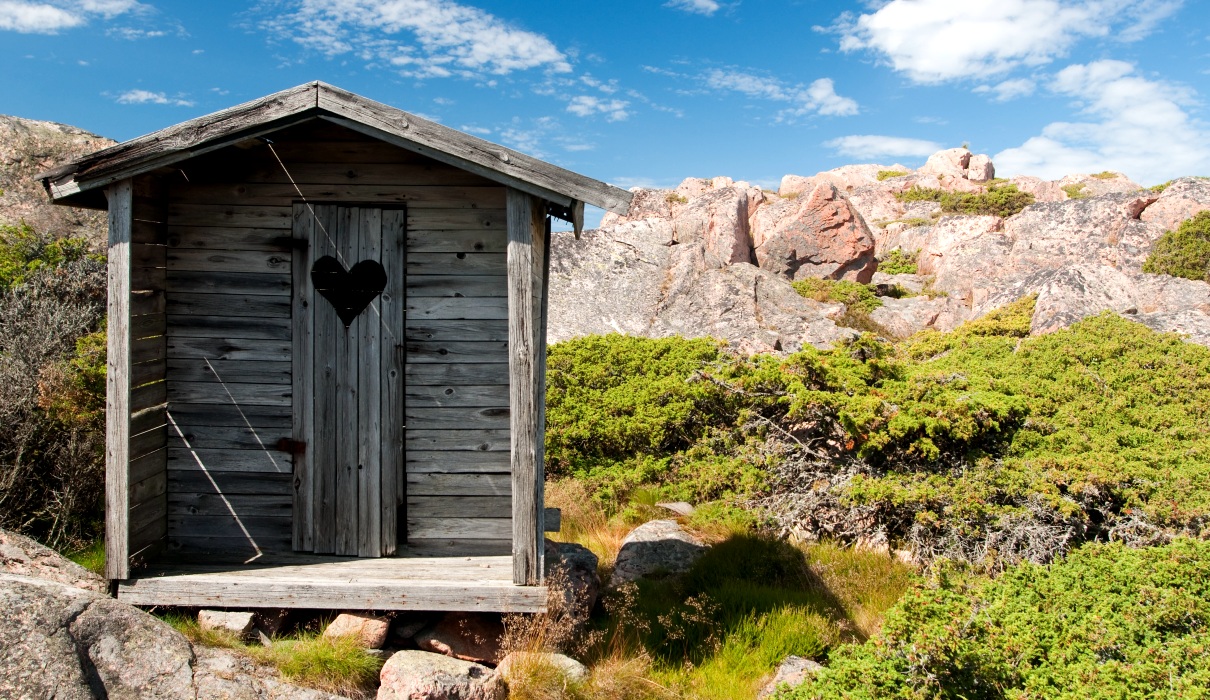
482	584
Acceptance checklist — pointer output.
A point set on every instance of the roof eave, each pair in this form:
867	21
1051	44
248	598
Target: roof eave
69	184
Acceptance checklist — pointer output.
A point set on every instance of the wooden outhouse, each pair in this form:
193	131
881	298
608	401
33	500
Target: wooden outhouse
327	332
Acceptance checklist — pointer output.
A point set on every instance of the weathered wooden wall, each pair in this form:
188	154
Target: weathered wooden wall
229	355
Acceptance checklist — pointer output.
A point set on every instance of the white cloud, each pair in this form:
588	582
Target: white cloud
937	40
135	33
1009	89
699	7
1135	125
449	38
37	18
817	98
588	105
145	97
870	147
51	17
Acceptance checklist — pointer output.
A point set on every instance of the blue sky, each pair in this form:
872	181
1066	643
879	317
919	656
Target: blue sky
648	93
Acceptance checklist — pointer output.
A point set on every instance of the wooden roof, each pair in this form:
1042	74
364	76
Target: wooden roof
79	183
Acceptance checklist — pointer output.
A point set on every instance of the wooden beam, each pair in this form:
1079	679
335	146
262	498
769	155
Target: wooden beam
117	380
523	364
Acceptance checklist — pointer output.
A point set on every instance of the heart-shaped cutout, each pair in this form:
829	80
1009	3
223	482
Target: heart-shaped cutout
349	291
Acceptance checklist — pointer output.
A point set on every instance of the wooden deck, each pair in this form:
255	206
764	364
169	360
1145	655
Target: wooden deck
479	584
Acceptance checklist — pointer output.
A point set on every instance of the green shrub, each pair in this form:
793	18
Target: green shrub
898	262
998	200
1075	191
851	294
23	251
676	198
1107	622
1105	175
1184	252
1160	187
52	292
888	174
916	193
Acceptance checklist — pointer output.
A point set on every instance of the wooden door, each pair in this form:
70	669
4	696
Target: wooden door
348	282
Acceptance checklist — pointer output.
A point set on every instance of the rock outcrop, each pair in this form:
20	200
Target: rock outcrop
63	638
28	147
678	263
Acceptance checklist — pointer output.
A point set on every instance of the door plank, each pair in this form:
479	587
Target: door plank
347	240
369	397
323	448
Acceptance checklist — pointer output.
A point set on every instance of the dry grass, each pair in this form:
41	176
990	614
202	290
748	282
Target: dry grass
585	522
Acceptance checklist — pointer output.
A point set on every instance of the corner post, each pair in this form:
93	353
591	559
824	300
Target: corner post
524	216
117	381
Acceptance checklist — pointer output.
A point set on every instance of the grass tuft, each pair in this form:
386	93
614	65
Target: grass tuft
91	557
307	658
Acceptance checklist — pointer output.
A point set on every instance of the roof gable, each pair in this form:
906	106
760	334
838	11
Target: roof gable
264	116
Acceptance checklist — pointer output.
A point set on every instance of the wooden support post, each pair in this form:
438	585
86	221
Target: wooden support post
117	380
523	364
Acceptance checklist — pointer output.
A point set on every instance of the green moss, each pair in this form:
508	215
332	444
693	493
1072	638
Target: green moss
912	222
888	174
897	262
1184	252
1107	622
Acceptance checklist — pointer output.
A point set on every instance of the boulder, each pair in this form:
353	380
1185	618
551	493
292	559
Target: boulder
816	235
566	666
659	547
792	672
238	623
952	162
574	568
467	636
419	675
22	556
220	674
1182	199
980	169
370	631
65	642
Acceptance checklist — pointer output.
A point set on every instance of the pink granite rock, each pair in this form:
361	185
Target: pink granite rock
467	636
952	161
370	631
817	235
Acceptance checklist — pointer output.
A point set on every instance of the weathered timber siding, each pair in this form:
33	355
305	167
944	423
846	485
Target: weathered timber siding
229	340
148	508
